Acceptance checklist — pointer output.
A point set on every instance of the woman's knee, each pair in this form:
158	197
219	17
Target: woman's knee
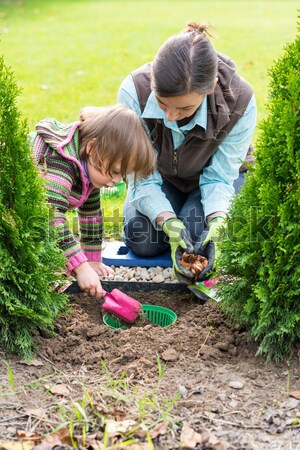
142	238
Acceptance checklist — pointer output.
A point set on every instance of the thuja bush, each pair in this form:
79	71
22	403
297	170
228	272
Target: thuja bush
261	256
30	260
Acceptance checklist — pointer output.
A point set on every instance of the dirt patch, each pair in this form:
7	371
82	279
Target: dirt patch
224	389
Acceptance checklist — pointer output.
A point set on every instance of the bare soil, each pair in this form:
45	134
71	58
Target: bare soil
232	398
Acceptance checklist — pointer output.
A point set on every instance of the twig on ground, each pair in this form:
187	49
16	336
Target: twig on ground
9	406
234	424
205	340
12	418
46	359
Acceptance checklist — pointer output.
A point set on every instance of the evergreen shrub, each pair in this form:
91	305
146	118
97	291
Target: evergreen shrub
261	255
30	260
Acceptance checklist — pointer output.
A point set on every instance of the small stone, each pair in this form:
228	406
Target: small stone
291	403
95	331
232	350
166	273
144	274
233	404
236	384
223	346
252	375
183	391
170	355
158	279
118	278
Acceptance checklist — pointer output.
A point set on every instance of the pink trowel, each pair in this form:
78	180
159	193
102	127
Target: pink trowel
121	305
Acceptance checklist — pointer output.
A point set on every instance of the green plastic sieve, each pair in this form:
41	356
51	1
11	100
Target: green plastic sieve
158	315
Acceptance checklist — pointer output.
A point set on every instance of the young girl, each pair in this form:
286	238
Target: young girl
76	160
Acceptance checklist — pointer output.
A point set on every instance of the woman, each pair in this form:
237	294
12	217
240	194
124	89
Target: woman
200	115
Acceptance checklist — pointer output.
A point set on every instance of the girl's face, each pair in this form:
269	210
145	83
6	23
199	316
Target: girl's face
103	178
180	107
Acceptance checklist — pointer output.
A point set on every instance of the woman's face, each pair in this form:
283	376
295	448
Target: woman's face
180	107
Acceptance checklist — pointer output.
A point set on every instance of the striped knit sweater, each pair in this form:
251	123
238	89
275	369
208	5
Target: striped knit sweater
55	148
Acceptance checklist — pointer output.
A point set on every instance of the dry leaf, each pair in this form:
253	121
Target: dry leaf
160	428
36	412
60	389
114	428
91	441
119	414
295	394
22	434
60	437
31	362
139	446
189	438
217	444
12	445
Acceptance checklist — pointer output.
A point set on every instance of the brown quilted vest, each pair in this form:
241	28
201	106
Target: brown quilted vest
183	166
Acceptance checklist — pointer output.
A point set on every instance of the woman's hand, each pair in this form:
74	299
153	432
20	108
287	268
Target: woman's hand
88	280
101	269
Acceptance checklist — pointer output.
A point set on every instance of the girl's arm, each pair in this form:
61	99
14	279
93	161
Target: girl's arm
59	180
91	226
91	232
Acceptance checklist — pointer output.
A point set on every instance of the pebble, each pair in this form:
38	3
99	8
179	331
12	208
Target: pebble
118	278
236	384
143	274
290	403
224	346
233	404
158	279
232	351
95	331
170	355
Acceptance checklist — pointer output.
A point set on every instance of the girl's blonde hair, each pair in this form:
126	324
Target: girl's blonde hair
119	137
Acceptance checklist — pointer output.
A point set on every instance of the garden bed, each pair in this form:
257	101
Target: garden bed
231	398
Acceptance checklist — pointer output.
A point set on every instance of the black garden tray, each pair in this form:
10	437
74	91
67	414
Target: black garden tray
133	286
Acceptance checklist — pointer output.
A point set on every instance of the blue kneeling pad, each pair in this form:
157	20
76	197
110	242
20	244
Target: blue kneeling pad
118	254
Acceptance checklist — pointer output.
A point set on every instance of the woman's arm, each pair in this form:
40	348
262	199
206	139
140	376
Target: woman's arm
146	196
216	181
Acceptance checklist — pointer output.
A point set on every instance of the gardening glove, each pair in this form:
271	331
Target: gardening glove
209	244
180	241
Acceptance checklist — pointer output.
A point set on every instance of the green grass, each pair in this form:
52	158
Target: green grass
70	53
112	209
95	407
67	54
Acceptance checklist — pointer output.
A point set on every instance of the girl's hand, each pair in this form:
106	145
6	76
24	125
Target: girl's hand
101	269
88	280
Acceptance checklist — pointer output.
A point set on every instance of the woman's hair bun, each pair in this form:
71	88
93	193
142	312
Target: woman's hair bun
195	27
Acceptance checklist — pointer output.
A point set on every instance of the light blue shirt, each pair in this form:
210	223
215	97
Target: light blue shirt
216	180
